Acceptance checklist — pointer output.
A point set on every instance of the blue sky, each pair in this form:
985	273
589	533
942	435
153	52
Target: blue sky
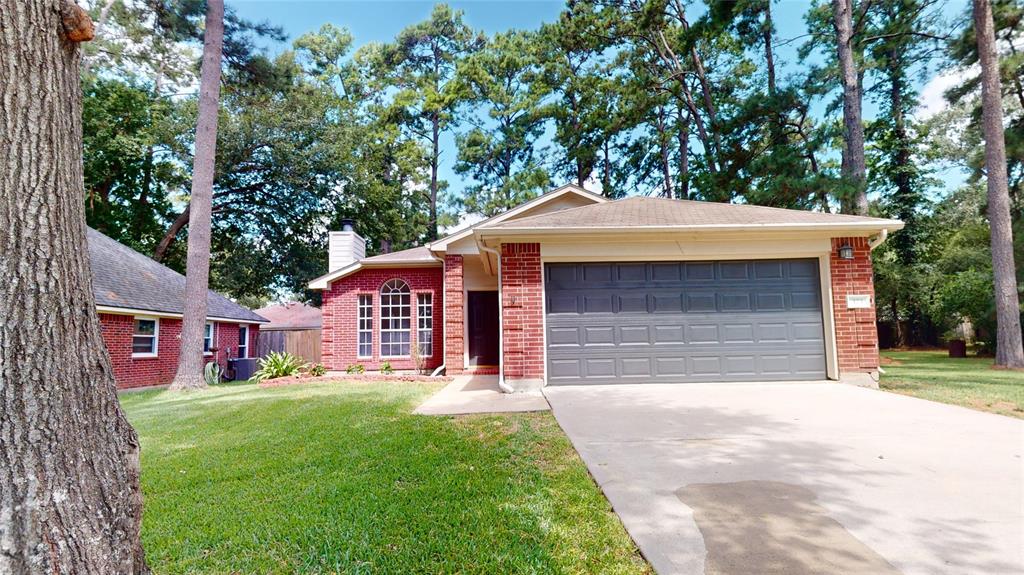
381	20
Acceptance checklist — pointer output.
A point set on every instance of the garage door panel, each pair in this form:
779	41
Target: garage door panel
680	322
669	334
598	367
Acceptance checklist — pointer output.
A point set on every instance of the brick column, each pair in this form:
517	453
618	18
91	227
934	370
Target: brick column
522	316
454	310
856	330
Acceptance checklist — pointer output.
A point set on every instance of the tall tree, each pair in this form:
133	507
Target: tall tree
421	64
69	460
505	80
190	359
854	167
1009	349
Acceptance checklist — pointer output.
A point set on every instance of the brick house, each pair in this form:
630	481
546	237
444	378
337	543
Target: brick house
574	288
140	304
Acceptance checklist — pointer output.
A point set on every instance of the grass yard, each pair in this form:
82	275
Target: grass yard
341	478
970	382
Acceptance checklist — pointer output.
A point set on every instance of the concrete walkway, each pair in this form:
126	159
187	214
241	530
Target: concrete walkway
479	394
802	478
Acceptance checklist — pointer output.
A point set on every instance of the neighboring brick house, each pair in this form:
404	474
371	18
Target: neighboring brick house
139	302
573	288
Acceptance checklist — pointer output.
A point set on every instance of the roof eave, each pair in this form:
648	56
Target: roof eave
858	227
122	310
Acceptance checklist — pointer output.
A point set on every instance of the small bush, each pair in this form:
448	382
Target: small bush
278	365
386	368
317	369
355	368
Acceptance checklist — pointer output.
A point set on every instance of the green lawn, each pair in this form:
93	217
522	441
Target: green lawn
341	478
970	382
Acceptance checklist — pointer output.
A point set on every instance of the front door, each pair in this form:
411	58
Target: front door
482	325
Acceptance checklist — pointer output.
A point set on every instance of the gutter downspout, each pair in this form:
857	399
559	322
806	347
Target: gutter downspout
501	332
878	240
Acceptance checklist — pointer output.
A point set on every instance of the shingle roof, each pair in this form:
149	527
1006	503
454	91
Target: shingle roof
291	315
420	254
124	278
645	211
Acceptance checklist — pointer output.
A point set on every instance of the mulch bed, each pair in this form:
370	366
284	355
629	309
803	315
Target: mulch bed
395	377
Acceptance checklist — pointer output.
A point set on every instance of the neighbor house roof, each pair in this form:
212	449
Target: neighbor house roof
290	315
660	213
122	278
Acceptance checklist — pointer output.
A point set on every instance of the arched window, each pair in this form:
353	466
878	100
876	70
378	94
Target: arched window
395	319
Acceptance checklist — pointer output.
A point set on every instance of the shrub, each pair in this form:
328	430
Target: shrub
386	368
355	368
278	365
317	369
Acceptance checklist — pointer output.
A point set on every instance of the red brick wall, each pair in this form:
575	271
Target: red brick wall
454	311
143	371
856	332
522	309
339	340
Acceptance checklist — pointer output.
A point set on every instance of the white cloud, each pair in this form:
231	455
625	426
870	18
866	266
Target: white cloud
933	99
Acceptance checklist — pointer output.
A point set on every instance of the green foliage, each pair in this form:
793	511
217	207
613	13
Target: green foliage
386	368
129	167
355	369
317	370
506	84
278	364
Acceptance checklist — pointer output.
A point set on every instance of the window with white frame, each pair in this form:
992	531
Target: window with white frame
145	336
425	324
395	320
365	325
208	339
243	341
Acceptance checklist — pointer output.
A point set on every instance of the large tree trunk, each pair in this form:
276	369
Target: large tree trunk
683	138
854	168
1009	352
435	158
666	168
197	267
69	461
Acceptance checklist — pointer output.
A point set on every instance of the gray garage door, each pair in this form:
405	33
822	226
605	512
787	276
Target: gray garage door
678	322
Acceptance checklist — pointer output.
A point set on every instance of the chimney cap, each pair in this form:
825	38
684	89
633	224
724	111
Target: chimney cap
348	225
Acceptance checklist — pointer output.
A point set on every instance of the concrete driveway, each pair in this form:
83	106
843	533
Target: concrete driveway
802	478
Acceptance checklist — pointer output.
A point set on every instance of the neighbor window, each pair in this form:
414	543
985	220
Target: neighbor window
395	321
243	341
365	325
208	339
144	337
425	324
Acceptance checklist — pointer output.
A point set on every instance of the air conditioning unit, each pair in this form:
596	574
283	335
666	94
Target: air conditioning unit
242	368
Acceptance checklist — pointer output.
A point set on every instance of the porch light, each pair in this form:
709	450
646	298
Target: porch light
846	252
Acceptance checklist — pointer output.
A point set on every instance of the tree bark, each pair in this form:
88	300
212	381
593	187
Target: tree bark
1009	352
683	135
435	157
69	461
197	267
666	168
854	168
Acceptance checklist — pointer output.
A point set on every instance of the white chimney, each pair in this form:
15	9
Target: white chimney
344	247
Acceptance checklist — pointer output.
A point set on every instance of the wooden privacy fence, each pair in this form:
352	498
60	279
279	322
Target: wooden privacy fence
304	343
